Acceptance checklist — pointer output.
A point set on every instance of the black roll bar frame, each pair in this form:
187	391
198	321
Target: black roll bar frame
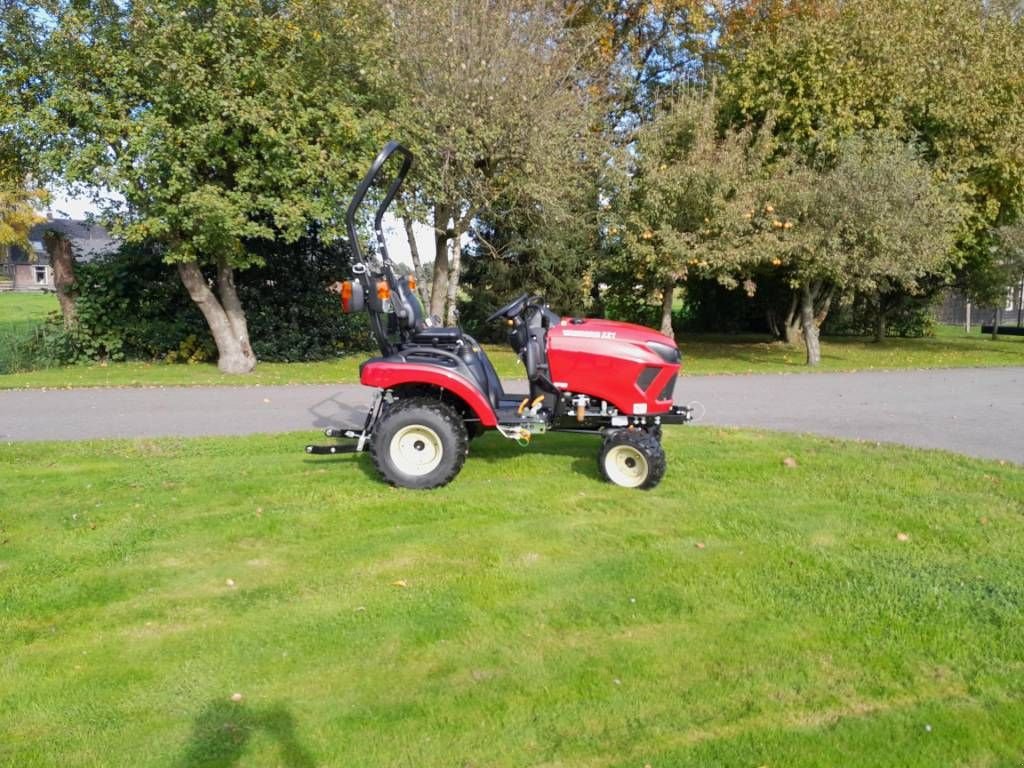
377	322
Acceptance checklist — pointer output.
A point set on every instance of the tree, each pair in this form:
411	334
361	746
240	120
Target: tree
517	252
19	212
643	49
217	122
690	190
948	77
492	100
874	220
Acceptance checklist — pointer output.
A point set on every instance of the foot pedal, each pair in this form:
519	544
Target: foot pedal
330	450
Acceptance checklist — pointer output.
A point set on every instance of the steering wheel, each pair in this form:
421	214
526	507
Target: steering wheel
510	310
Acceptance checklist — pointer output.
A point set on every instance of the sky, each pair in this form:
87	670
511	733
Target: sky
64	204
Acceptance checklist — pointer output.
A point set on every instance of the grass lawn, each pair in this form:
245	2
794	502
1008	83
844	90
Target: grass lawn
20	314
703	354
16	308
741	614
949	348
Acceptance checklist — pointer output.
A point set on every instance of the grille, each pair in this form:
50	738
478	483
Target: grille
647	375
669	390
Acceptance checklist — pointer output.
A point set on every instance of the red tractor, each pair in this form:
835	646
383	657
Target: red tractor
436	389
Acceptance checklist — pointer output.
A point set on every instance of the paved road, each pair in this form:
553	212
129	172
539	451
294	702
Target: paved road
979	412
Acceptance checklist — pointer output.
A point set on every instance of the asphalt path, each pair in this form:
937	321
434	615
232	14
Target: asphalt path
973	411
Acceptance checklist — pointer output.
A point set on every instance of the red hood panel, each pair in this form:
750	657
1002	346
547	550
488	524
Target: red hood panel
621	331
611	361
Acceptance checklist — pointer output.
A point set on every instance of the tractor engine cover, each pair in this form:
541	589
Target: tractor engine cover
630	367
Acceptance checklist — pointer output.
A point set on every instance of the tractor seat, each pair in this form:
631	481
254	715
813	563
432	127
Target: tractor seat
435	336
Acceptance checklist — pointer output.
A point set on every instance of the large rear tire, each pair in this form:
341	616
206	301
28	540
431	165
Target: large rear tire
419	442
632	459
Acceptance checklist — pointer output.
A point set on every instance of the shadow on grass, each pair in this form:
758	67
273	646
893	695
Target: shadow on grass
583	449
222	730
494	449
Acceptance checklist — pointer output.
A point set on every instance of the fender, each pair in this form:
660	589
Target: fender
379	373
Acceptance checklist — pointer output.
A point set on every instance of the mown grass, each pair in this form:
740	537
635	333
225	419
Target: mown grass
703	354
26	307
20	315
948	348
741	614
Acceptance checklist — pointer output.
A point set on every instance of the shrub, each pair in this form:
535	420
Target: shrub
132	305
913	318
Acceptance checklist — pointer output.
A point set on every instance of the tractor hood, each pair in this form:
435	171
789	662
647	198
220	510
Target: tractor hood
627	334
628	366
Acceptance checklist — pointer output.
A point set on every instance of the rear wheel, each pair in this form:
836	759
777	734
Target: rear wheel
632	459
419	443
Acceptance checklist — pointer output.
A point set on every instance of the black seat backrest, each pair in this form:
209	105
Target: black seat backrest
436	335
407	305
483	371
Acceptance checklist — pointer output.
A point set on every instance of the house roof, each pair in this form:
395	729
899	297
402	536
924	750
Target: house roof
88	240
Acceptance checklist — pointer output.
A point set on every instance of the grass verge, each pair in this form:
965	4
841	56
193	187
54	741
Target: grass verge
742	613
703	354
949	348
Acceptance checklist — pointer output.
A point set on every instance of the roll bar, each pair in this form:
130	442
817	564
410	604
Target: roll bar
364	186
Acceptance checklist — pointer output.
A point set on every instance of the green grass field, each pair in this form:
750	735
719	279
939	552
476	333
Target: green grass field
865	608
20	315
26	307
950	348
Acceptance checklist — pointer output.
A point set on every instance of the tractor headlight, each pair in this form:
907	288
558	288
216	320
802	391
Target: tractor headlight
667	353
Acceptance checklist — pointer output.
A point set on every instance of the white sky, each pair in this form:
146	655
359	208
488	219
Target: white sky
67	205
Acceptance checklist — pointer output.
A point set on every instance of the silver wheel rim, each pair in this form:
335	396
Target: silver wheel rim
416	450
626	466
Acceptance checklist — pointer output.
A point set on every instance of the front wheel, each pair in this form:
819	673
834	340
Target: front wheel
632	459
419	443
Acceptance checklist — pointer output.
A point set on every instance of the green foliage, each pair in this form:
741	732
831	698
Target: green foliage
129	305
715	308
911	318
292	316
218	123
493	99
688	203
874	219
19	212
132	306
948	77
527	255
21	318
1000	264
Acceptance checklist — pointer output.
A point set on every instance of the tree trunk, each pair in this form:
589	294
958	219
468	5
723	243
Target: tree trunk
995	322
823	303
439	286
417	267
791	327
224	316
453	278
880	318
62	259
772	318
667	294
808	326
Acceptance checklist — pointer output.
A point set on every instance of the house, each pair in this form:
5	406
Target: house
33	271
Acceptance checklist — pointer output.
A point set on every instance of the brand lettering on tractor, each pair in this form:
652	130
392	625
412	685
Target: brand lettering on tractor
590	334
